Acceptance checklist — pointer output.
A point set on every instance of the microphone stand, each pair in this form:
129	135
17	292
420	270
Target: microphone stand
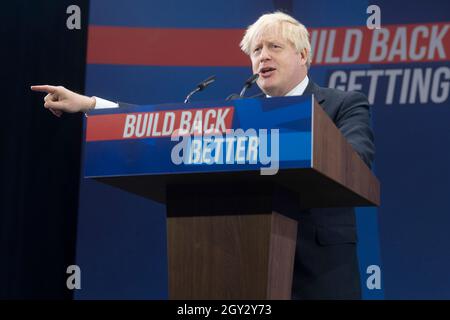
202	85
250	81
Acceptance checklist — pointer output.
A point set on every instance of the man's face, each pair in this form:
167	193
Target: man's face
280	67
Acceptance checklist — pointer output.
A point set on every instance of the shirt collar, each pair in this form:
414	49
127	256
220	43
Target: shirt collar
298	90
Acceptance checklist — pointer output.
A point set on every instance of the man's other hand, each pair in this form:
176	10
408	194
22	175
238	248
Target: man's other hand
60	99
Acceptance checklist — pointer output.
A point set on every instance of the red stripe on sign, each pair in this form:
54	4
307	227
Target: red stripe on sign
157	124
105	127
411	43
165	47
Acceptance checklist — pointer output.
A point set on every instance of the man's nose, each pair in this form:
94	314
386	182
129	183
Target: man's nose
265	54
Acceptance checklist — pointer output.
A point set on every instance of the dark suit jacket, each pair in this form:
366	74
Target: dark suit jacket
326	264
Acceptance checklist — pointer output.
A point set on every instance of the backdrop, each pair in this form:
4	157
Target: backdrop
144	52
148	52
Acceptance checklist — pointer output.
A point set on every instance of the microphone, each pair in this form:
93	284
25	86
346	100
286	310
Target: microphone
202	85
248	83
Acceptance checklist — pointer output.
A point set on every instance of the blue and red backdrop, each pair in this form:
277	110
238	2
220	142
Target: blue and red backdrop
149	52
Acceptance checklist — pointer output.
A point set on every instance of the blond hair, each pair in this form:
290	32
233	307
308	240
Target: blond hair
291	30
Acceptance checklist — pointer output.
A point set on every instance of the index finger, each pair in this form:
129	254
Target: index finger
44	88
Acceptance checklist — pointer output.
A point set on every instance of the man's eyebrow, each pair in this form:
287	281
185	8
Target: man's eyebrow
269	41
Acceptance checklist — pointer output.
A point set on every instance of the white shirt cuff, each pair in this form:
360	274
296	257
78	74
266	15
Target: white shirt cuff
103	103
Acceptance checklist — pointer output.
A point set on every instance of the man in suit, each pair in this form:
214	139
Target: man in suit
326	263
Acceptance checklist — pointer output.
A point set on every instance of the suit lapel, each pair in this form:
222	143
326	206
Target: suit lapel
313	88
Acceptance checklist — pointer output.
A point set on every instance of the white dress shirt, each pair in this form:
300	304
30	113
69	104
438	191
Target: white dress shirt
298	90
103	103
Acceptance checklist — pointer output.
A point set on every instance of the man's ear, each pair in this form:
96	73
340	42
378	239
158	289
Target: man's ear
304	55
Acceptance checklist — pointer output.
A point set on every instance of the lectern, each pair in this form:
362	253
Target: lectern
233	176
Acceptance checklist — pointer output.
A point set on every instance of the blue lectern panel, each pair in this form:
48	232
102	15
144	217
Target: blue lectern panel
217	136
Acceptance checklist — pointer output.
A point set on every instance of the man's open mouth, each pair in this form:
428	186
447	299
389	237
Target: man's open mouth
266	71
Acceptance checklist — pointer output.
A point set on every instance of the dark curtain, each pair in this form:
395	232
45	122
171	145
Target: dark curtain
40	154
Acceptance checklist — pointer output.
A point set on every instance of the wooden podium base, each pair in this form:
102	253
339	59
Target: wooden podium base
230	242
